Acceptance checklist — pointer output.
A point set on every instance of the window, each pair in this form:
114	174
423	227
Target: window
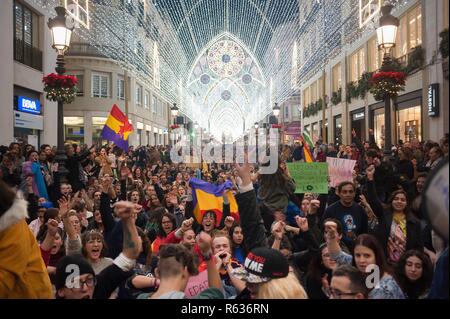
146	100
415	27
374	54
100	85
79	10
139	95
120	88
286	112
320	92
409	33
154	104
314	92
357	64
337	80
367	10
26	37
80	84
160	106
306	97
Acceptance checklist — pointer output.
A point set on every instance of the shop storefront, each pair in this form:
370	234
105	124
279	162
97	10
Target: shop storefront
291	132
74	129
28	119
358	123
337	129
97	127
408	119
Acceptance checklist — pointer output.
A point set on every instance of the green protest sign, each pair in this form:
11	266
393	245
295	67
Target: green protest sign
310	177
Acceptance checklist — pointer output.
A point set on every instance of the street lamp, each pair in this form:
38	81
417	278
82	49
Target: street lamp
276	110
256	125
174	110
386	35
61	34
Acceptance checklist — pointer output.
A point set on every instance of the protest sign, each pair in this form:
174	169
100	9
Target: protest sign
340	170
196	284
310	177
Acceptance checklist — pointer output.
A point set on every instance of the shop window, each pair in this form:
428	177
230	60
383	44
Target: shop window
97	127
74	129
379	127
409	124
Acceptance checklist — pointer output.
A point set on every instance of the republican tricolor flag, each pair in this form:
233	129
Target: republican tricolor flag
208	197
117	128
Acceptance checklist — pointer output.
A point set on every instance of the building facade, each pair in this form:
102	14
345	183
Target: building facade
101	84
26	55
417	48
28	117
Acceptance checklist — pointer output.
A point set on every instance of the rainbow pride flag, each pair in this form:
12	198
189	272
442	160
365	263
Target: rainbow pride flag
209	197
117	128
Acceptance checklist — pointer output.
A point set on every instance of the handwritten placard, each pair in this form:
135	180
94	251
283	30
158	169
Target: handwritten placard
310	177
196	284
340	170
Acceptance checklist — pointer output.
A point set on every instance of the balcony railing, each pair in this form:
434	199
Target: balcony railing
27	54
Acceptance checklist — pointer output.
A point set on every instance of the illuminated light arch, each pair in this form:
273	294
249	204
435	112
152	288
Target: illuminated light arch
226	36
189	13
233	82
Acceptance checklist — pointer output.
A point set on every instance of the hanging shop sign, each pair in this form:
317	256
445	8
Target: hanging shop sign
433	100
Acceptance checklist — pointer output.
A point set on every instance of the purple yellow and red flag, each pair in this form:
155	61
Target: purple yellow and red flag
208	197
117	128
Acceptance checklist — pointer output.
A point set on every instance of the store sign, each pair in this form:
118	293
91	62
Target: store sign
24	120
433	100
358	116
28	105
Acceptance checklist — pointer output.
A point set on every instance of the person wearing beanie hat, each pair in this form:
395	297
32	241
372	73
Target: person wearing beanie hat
75	278
22	271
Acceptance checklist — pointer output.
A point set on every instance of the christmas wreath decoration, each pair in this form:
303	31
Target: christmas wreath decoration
387	84
60	88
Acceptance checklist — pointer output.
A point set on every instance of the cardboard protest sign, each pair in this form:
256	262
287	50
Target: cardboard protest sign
196	284
310	177
340	170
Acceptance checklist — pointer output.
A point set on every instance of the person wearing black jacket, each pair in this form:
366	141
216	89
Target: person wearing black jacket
73	165
75	278
406	234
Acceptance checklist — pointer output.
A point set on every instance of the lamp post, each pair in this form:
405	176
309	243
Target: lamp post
61	34
326	100
386	35
174	111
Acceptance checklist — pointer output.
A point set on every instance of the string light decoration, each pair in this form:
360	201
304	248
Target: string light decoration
128	31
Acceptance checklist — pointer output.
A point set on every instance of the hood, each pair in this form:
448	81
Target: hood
17	212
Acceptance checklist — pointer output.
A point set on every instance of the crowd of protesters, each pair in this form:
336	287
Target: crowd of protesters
125	221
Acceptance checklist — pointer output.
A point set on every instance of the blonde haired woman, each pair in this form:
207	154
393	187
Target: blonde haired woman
268	276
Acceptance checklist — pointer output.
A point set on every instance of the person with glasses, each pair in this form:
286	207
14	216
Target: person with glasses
347	283
76	279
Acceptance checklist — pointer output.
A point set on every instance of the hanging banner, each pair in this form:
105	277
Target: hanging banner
340	170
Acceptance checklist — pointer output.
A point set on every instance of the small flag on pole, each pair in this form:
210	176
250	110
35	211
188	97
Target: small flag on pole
117	128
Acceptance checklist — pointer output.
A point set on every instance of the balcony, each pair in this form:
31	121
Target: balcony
27	54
